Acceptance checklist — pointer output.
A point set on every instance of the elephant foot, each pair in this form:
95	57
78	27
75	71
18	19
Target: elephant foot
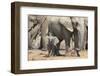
78	54
77	51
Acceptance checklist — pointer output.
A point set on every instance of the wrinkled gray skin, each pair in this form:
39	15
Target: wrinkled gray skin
63	28
37	25
33	29
57	26
81	26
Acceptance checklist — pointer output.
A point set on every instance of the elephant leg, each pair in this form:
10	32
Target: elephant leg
29	41
49	50
86	45
44	30
76	40
58	44
58	48
67	42
77	52
53	52
57	53
43	44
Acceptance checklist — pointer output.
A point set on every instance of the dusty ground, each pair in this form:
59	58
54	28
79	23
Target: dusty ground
42	55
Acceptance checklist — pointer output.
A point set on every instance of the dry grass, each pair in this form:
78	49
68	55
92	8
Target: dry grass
43	55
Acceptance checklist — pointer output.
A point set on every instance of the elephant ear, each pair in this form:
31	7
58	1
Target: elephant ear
66	22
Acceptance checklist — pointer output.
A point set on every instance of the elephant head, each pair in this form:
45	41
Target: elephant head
80	31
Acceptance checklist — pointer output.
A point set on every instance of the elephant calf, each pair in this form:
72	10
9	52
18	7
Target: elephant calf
52	48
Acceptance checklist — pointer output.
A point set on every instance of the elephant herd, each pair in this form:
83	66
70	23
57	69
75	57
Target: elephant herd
72	30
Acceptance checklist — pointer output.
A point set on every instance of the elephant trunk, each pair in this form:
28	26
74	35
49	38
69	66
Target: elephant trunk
82	34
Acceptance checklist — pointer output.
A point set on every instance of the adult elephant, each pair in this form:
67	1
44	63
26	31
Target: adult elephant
35	23
80	25
63	29
32	30
66	27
